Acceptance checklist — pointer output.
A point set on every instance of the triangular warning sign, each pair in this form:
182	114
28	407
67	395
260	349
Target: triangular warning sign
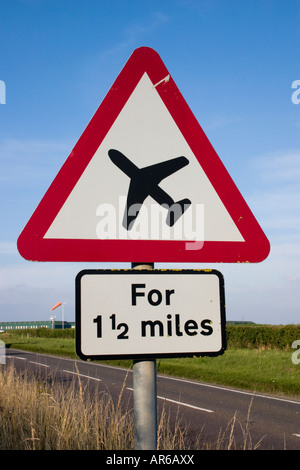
143	183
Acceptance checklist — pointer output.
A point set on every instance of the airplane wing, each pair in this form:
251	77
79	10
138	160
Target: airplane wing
161	170
137	193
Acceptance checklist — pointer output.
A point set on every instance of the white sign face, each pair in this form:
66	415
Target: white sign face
99	197
159	313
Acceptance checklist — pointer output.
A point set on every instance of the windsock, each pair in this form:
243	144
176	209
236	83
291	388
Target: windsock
56	305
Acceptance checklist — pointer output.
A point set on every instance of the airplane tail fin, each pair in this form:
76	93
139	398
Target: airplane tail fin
176	211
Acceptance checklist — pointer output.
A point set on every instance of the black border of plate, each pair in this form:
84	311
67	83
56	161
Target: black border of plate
147	272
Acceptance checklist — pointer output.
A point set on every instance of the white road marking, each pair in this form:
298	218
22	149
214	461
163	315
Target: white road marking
16	357
39	364
81	375
181	403
253	394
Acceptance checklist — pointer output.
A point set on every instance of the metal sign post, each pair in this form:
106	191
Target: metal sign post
145	396
145	404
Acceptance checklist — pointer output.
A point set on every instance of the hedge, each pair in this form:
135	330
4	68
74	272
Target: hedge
45	333
262	336
238	336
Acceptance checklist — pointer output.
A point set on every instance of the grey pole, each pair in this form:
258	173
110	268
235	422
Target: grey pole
145	396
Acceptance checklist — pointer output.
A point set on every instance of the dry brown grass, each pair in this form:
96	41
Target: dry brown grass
40	415
48	415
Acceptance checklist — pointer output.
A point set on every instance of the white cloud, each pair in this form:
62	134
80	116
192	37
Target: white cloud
269	292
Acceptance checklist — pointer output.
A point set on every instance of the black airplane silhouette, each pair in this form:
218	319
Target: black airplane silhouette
144	182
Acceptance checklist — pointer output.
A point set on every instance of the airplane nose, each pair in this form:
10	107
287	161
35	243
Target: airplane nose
114	155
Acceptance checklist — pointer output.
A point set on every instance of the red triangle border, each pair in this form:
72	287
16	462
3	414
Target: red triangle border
31	244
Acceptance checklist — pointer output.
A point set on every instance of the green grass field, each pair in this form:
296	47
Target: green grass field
256	370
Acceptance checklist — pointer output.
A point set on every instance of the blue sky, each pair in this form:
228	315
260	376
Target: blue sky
234	62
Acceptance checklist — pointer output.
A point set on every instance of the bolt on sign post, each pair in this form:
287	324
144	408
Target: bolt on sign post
144	182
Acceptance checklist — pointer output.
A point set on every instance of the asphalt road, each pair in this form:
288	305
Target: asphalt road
263	422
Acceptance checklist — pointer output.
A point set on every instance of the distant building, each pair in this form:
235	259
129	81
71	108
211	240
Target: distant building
52	324
25	325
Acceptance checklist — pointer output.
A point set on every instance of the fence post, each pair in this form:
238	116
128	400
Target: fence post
2	353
